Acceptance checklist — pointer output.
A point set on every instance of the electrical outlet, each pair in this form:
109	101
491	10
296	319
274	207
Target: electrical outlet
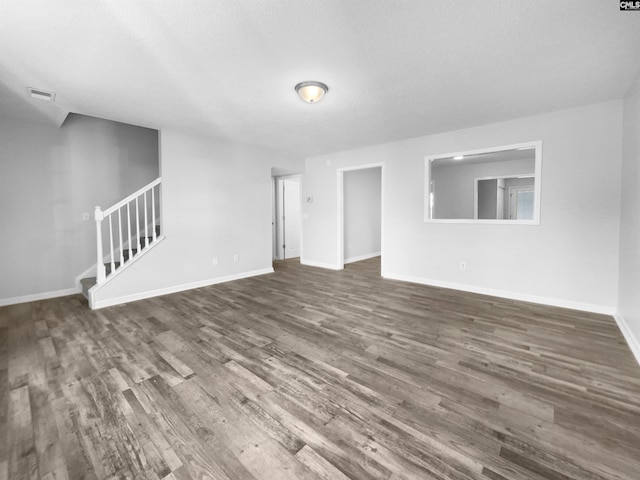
236	257
215	261
463	265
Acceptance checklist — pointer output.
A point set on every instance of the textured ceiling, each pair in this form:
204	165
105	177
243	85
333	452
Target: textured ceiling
395	68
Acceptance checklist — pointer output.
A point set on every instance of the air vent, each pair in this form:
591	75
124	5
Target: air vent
41	94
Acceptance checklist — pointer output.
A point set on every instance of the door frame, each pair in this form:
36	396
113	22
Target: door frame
493	177
341	172
278	235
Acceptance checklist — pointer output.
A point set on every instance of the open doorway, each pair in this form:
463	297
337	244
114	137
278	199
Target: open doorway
360	218
287	221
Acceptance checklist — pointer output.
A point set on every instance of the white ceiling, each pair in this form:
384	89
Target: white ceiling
395	68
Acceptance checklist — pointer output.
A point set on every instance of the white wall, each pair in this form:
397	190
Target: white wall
362	213
48	178
216	199
629	286
571	257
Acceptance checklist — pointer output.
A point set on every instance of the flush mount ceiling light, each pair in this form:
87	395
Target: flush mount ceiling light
459	157
311	92
41	94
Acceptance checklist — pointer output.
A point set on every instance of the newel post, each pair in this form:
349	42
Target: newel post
100	270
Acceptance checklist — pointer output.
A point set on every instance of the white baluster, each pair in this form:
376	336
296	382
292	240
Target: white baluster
138	245
100	270
113	264
153	213
129	231
146	235
117	245
120	236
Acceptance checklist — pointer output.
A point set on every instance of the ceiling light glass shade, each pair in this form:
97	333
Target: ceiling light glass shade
311	92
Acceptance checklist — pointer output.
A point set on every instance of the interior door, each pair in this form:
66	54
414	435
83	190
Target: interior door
521	200
291	217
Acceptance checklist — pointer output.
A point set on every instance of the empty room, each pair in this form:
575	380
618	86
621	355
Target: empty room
295	240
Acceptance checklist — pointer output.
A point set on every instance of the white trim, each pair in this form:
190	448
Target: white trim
537	145
279	213
499	177
555	302
39	296
178	288
361	257
310	263
632	341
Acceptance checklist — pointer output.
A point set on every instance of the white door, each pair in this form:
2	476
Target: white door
521	200
291	217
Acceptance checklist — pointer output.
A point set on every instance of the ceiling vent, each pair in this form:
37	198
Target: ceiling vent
41	94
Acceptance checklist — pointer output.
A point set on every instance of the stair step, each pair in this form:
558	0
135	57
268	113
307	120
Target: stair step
86	284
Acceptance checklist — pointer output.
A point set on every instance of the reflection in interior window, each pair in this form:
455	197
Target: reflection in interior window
499	185
524	205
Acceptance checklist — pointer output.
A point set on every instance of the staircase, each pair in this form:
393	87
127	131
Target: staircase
130	228
89	282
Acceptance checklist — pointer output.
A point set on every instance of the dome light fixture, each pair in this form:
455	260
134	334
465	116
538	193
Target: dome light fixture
311	92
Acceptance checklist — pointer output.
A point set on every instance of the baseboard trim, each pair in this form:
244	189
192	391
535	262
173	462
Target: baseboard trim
38	296
632	341
361	257
310	263
554	302
178	288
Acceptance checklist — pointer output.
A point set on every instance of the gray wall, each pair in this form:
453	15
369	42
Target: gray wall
362	213
48	178
572	255
629	289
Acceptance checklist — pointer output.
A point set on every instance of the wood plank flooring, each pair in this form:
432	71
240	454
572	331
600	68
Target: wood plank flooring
313	374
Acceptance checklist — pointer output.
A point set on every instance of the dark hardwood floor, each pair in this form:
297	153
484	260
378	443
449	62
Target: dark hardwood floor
313	374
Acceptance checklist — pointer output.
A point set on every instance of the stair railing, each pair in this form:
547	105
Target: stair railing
145	215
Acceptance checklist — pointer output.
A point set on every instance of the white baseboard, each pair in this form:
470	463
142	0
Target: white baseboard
177	288
38	296
310	263
361	257
632	341
555	302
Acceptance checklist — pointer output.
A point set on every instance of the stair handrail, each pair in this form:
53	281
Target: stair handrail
100	215
131	197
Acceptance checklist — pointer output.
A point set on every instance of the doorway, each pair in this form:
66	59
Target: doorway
288	235
360	214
